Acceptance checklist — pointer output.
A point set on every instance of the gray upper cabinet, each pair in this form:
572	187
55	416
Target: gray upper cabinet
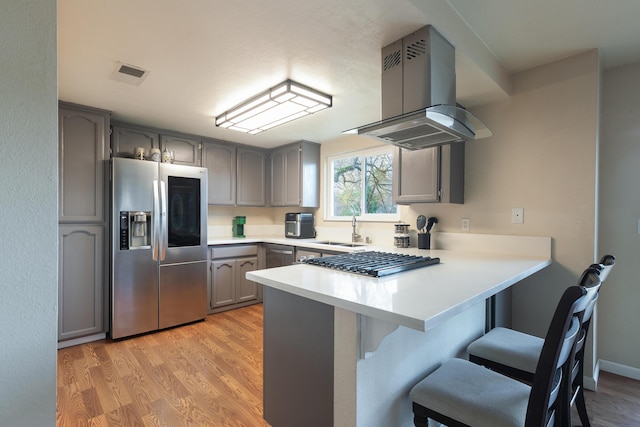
83	152
125	138
251	174
277	177
220	160
295	174
430	175
236	174
186	149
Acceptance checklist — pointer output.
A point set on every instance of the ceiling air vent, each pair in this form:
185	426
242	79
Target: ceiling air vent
130	74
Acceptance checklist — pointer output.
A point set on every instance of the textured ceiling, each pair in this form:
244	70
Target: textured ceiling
205	56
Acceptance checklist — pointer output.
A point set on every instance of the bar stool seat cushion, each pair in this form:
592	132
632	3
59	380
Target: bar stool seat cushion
508	347
490	399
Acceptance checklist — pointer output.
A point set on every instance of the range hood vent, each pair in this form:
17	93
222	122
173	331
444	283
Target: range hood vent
419	95
427	127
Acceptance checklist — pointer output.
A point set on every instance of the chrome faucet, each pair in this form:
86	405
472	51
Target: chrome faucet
355	237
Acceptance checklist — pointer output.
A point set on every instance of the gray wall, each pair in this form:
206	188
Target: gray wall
618	313
28	216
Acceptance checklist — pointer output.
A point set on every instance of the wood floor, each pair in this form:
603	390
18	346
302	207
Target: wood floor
210	374
204	374
615	404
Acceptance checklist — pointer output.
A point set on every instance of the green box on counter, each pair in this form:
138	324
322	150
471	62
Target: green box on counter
238	226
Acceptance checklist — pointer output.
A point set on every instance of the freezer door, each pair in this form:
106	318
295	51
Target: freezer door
183	293
183	213
134	273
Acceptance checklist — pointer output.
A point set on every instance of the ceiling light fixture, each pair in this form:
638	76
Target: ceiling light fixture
280	104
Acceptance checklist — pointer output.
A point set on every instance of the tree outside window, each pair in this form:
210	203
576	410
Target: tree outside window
361	184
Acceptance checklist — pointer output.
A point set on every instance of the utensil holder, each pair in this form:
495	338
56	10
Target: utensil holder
424	241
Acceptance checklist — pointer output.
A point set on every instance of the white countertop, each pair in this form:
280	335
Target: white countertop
418	299
306	243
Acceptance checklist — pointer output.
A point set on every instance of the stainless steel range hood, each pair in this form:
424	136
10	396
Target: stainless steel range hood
419	95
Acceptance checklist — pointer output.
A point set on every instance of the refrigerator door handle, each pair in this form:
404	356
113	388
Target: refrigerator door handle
155	237
164	232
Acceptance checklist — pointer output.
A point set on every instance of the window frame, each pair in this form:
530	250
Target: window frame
328	185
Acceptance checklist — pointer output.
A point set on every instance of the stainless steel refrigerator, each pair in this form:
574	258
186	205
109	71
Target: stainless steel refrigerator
158	246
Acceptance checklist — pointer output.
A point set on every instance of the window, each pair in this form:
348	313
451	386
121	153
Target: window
360	184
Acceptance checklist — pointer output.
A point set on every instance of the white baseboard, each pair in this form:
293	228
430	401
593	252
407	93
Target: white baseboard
618	369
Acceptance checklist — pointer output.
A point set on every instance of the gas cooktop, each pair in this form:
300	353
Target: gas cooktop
373	264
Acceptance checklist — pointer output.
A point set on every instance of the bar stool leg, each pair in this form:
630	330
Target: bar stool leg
420	418
581	407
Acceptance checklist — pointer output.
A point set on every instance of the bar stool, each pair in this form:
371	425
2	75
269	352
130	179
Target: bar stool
516	354
461	393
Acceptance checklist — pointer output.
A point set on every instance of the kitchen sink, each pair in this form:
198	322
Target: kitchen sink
345	244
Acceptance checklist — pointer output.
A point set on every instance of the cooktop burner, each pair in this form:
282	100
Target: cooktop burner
374	264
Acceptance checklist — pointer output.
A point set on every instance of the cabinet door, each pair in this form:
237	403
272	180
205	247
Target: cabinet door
251	174
124	139
81	275
416	177
246	290
83	152
277	178
223	283
292	176
187	150
220	161
303	254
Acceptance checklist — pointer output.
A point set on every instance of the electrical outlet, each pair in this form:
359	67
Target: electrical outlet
466	224
517	216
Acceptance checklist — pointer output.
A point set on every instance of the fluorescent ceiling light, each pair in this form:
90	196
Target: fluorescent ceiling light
280	104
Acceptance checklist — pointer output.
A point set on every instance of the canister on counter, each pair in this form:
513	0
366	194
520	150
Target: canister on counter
401	236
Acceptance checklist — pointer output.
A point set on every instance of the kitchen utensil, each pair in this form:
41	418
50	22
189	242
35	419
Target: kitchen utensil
421	222
430	222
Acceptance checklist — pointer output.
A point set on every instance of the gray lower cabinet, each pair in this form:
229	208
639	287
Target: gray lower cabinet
430	175
83	159
228	286
295	175
298	371
303	254
251	172
81	281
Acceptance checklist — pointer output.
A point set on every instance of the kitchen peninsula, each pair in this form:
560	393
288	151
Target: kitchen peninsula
343	349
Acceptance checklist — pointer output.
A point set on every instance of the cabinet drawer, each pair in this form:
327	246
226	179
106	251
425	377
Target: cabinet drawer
235	251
